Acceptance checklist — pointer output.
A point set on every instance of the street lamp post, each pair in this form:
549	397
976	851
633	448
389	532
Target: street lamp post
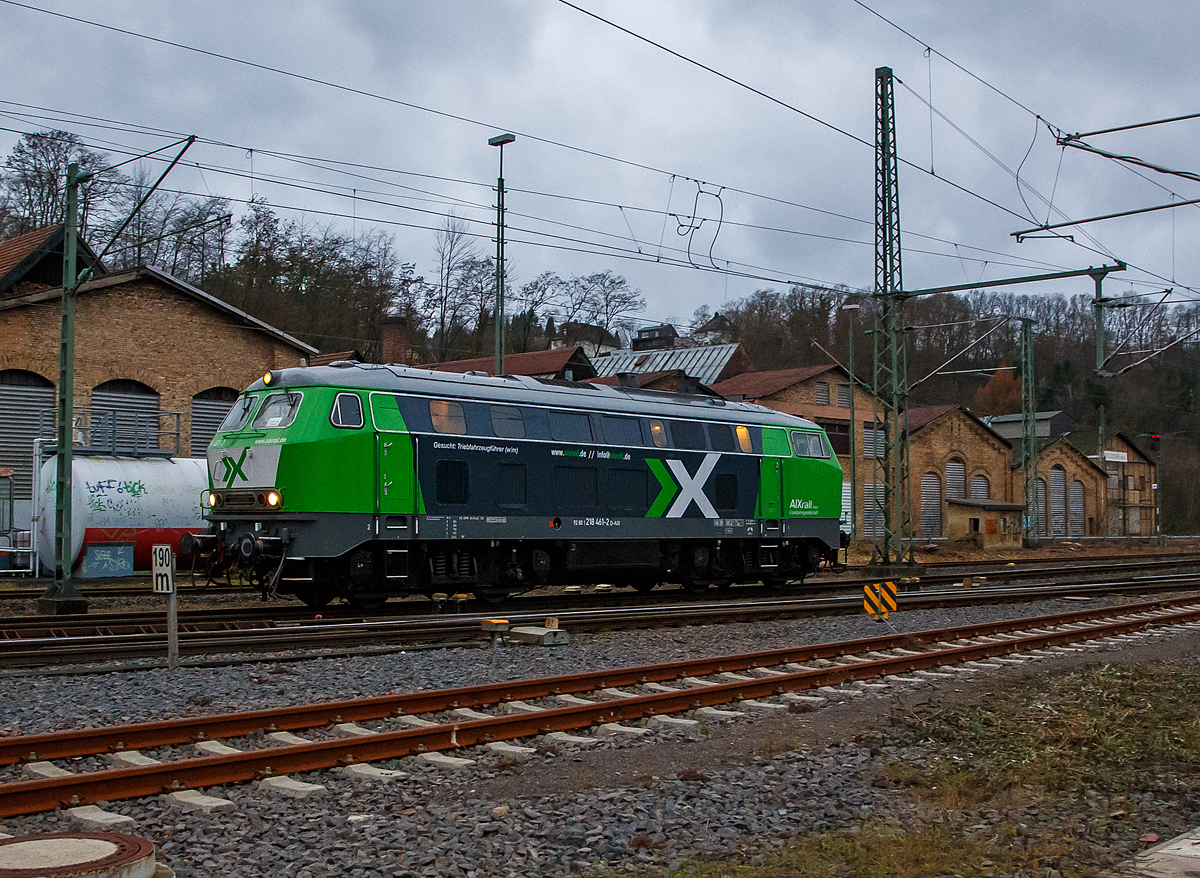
851	308
499	140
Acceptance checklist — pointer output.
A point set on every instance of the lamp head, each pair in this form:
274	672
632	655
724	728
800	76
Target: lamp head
501	139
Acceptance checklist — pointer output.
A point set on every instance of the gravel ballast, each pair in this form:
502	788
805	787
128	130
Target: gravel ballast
627	803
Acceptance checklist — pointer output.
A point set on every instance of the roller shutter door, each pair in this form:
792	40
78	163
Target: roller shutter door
872	511
956	480
207	415
1037	526
22	408
931	505
981	488
1058	503
136	420
847	494
1077	516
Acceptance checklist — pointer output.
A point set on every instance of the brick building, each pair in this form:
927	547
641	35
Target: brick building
1132	490
953	456
146	344
1068	492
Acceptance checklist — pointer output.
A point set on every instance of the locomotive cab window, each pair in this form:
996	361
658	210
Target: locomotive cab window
447	416
278	411
238	415
809	444
347	411
507	422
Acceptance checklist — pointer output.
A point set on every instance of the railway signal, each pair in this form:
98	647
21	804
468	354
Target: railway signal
879	599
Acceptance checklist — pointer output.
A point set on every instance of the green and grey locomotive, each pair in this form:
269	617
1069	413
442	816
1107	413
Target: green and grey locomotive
370	481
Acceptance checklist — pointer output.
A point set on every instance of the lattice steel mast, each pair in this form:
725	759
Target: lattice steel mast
893	541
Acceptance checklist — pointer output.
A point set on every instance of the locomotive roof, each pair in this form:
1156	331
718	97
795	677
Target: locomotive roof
513	389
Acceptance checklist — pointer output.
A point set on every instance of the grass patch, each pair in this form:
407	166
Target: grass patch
1108	730
1035	780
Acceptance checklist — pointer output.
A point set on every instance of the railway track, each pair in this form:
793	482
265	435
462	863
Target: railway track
422	723
63	644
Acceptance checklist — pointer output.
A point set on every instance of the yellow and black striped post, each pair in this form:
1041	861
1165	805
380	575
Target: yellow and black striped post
879	598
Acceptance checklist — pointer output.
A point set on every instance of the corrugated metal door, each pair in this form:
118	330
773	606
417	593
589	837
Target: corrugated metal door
1037	526
931	505
1077	509
847	494
22	408
981	488
136	414
872	511
1135	522
1058	502
956	480
208	410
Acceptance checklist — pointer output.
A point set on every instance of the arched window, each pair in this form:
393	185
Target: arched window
981	488
956	480
1077	509
124	417
931	505
1058	503
27	401
209	408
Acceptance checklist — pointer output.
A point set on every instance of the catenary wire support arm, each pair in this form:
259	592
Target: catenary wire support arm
1025	233
1003	322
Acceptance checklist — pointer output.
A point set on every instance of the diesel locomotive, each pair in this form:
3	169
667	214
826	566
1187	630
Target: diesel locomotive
365	481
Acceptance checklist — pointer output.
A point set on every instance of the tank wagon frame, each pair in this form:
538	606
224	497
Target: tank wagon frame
368	481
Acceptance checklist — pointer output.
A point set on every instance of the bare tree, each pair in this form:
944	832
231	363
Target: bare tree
33	182
444	301
611	302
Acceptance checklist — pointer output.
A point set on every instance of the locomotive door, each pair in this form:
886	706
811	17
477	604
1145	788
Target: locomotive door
775	447
395	462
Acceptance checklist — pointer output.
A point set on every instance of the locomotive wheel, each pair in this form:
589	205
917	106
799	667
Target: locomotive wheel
723	584
696	586
643	586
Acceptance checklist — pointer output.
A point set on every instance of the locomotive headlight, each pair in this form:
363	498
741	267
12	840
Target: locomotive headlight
268	378
213	499
274	499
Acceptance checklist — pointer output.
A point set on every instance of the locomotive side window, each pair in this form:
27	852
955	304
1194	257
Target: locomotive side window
453	482
570	427
688	434
238	415
658	433
721	437
743	438
507	422
622	431
347	411
510	484
725	493
447	416
809	444
278	411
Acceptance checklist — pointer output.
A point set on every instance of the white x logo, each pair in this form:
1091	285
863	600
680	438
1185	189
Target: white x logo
692	488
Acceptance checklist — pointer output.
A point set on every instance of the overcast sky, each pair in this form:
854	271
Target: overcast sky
601	116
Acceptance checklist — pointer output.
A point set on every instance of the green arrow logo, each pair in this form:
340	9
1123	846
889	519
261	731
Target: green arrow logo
667	488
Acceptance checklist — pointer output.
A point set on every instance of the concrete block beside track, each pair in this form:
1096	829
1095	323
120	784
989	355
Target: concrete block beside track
41	770
673	723
287	738
513	751
565	738
216	748
608	730
716	713
194	800
471	713
372	773
445	761
290	787
761	706
416	722
130	759
351	730
96	818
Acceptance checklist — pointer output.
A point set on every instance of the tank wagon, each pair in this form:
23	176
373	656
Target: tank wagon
369	481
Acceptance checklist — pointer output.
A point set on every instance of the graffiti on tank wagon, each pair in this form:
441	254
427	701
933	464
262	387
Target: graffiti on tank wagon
119	497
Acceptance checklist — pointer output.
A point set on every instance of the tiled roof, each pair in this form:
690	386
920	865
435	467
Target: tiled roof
923	415
706	362
15	249
532	363
757	385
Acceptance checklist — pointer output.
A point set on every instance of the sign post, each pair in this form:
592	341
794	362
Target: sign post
163	572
